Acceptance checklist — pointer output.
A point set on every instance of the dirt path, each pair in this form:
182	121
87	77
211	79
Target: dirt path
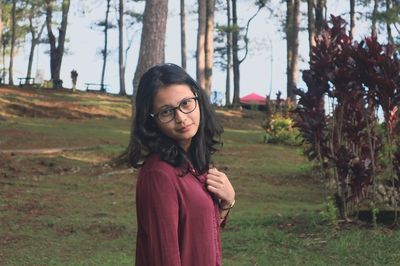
43	151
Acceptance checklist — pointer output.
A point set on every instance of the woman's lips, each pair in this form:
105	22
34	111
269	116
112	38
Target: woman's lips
185	129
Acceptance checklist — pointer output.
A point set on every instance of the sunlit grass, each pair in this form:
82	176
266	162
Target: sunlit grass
56	133
72	209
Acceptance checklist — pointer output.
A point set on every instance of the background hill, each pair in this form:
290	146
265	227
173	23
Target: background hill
63	203
62	104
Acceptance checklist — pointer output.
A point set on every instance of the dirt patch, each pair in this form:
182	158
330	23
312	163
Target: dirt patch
57	110
240	119
44	103
32	208
108	230
66	230
12	239
42	151
13	166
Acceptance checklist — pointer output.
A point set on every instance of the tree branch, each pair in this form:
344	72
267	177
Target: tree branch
395	26
246	40
49	13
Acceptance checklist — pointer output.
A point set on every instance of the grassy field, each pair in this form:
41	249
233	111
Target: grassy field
70	207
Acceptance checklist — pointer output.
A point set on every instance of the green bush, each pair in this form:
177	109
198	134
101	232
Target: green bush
279	129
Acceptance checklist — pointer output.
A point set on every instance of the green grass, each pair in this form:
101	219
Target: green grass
66	210
49	133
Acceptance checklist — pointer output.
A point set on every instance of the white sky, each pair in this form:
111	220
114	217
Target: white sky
84	44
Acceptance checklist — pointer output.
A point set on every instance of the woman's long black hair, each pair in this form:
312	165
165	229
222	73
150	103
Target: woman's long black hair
148	139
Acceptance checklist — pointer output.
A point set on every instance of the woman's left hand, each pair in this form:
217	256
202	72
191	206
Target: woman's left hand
219	184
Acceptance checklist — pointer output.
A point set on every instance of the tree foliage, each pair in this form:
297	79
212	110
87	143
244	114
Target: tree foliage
358	79
12	33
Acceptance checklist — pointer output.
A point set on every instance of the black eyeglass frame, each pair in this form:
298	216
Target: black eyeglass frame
173	109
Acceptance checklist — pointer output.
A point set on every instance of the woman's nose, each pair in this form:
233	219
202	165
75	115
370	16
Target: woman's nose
179	116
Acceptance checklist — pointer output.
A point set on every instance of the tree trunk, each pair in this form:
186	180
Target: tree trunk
374	17
105	50
34	41
292	28
3	74
235	56
209	47
56	50
319	15
352	19
13	38
228	55
388	28
183	35
152	46
289	45
152	42
122	90
295	50
311	25
1	24
235	48
201	43
1	35
30	60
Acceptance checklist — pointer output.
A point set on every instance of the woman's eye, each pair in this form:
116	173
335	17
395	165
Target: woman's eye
166	112
186	102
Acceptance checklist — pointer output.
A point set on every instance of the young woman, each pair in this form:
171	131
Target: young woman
181	201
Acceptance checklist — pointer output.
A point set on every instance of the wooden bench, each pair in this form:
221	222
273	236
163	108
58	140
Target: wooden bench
27	81
96	85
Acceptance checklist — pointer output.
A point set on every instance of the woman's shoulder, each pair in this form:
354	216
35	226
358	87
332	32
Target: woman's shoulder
153	163
157	172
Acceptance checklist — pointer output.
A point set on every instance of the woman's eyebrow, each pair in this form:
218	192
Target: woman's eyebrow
172	106
165	106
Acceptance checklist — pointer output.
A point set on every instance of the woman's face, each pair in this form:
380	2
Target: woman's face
177	113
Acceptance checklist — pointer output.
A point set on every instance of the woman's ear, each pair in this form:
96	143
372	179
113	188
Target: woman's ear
153	124
150	123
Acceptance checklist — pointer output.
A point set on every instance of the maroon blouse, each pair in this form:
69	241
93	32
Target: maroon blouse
178	220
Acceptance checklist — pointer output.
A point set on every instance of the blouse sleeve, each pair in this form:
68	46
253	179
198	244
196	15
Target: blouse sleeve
157	214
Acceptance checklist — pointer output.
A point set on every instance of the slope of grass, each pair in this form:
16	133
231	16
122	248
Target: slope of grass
72	208
49	103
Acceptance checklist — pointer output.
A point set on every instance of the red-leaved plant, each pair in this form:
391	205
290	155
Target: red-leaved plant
354	80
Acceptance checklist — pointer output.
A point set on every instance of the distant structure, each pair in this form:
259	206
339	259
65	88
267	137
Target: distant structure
253	101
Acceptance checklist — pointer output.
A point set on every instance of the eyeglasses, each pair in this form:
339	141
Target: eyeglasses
186	106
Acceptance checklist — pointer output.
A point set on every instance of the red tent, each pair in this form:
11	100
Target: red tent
253	99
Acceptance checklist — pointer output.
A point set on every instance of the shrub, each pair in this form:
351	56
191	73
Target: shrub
358	79
279	129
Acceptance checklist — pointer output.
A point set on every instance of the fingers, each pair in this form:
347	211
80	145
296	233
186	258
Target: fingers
213	190
217	179
216	175
219	184
214	171
211	170
214	183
